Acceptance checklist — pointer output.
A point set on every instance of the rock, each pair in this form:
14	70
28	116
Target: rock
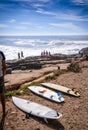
83	51
9	71
23	67
24	64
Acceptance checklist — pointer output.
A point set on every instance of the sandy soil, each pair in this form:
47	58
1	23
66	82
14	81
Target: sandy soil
74	110
19	77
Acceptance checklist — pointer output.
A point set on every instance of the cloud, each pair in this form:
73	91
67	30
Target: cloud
37	5
32	0
60	24
72	17
82	2
26	23
68	16
20	27
12	21
44	0
3	25
38	26
41	11
68	25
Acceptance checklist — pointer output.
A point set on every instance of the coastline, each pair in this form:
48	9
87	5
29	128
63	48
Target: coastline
32	68
74	110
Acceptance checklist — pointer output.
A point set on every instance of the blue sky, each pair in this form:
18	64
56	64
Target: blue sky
43	17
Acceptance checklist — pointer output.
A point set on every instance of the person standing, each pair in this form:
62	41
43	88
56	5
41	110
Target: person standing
18	55
2	74
22	56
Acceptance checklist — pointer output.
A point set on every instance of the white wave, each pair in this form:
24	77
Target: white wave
12	52
36	46
24	42
31	42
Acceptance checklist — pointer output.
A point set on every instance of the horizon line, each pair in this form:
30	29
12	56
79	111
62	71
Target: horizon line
43	35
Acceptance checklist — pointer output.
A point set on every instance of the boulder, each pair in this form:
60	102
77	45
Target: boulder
83	51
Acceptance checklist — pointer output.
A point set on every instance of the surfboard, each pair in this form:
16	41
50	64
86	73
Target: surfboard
47	93
35	109
64	89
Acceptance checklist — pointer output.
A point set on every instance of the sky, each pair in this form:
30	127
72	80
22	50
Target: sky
43	17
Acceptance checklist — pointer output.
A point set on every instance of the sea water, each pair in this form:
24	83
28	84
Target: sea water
34	45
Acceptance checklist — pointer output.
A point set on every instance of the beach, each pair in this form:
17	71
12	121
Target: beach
44	41
74	110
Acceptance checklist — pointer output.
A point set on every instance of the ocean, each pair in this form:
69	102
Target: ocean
34	45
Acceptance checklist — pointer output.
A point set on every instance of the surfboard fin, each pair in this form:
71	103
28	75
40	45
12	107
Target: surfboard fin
27	116
45	119
58	93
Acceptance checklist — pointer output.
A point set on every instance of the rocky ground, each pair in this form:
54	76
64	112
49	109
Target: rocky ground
74	110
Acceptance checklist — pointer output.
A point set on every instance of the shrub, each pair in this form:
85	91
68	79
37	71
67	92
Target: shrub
74	67
48	78
13	93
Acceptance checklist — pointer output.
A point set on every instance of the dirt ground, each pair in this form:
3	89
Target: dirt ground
74	110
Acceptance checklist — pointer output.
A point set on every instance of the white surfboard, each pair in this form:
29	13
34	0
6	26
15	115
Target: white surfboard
35	109
62	89
47	93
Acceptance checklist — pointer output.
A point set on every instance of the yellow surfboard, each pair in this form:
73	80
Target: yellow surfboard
61	88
